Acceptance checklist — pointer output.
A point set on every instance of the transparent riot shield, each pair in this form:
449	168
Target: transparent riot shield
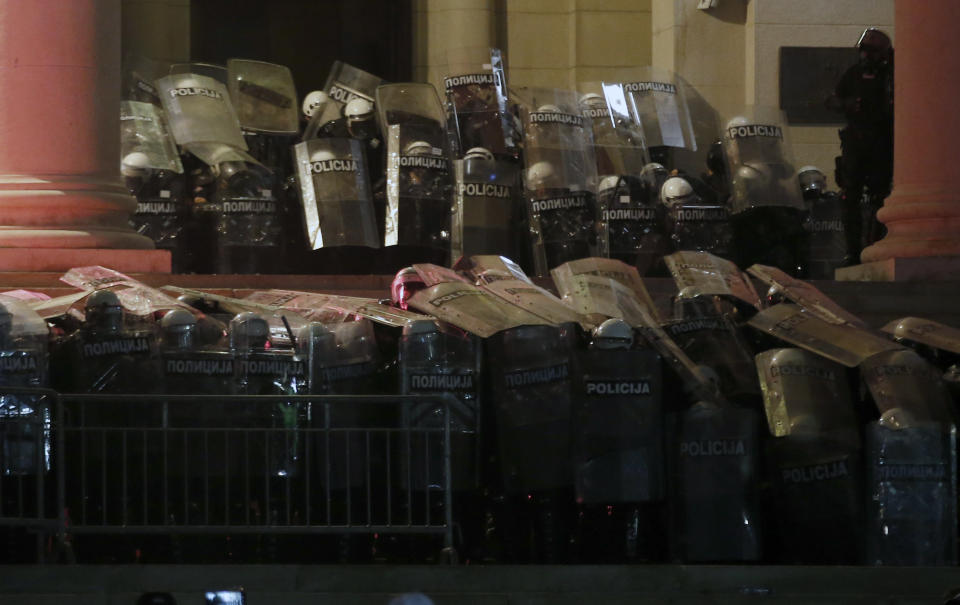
210	70
487	211
264	96
765	201
814	458
717	481
760	161
828	236
476	93
561	177
436	360
419	180
335	193
139	74
632	230
25	420
346	82
912	494
911	463
716	343
202	118
656	100
702	227
145	133
153	173
618	143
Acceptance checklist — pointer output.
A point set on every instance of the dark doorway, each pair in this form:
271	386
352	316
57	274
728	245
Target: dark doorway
306	35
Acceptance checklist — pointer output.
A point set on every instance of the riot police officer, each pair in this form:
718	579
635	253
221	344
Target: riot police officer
824	225
865	96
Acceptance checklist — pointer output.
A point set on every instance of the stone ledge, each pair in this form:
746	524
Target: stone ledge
931	268
64	259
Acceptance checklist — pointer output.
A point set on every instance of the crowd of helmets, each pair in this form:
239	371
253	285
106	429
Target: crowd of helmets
587	421
234	173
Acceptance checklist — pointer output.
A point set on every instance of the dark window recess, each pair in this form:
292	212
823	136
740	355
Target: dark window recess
306	35
808	76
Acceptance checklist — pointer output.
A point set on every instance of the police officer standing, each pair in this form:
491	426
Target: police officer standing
865	96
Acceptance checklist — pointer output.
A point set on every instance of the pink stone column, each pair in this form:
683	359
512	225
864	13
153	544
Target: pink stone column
60	185
922	214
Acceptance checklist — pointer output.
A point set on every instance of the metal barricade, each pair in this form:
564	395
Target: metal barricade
172	466
27	487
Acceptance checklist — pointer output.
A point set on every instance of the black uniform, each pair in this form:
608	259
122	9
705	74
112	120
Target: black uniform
866	94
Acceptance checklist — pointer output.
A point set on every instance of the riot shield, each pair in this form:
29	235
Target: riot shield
632	231
717	466
618	143
907	389
843	343
828	236
264	96
201	115
419	181
145	141
561	178
937	342
716	343
814	458
618	427
335	193
346	82
912	494
677	124
209	70
25	420
435	361
803	294
766	201
530	367
487	211
703	227
476	93
760	161
245	217
153	173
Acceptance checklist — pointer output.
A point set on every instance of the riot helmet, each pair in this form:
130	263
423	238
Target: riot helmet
178	327
314	102
540	175
418	148
812	182
613	334
103	312
134	164
248	331
592	100
358	109
406	283
478	153
677	191
653	176
548	108
875	47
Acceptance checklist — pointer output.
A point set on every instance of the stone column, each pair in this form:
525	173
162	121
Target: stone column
61	197
922	214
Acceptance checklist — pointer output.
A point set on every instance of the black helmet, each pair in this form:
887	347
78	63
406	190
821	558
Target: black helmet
875	46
